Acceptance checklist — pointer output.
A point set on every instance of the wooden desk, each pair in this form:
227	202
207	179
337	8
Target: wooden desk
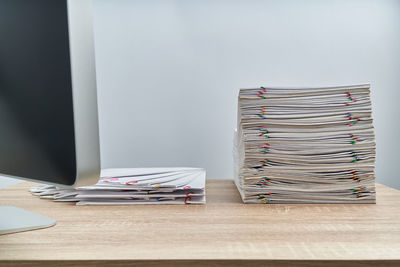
219	232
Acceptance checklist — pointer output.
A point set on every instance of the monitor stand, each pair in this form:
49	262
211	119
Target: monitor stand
13	220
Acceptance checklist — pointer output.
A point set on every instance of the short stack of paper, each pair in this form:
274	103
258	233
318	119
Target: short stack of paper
305	145
135	186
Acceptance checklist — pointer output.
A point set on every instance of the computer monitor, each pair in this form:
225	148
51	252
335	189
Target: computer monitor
48	101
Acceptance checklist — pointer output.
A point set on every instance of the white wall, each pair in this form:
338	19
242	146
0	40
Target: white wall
169	71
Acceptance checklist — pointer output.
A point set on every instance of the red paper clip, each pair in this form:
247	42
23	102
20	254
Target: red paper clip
110	180
261	92
186	200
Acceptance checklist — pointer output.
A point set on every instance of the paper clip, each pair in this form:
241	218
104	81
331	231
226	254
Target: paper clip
263	108
187	199
351	119
350	97
263	199
131	182
258	168
358	191
262	113
265	162
355	139
263	182
261	116
354	155
111	180
263	131
186	187
261	92
265	148
354	175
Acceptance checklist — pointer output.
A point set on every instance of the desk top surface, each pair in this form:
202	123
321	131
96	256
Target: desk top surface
223	229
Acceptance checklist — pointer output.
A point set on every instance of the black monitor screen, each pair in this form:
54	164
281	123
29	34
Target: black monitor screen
36	112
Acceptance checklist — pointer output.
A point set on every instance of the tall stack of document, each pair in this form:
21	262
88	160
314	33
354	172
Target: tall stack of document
135	186
305	145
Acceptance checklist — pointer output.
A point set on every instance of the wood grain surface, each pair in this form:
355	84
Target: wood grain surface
223	232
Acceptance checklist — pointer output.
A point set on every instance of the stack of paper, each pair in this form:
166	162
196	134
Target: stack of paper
308	145
135	186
